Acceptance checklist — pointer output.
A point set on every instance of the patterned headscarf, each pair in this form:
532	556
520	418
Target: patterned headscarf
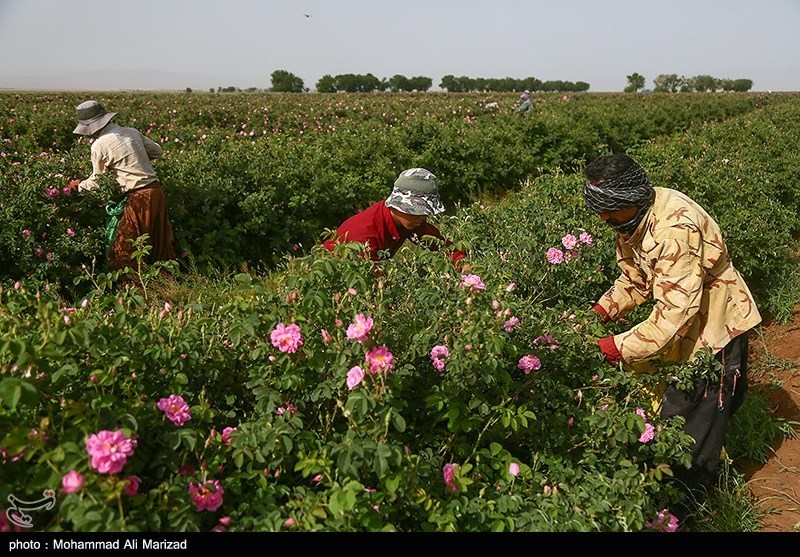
629	189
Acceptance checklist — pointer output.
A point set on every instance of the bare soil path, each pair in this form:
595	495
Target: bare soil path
775	362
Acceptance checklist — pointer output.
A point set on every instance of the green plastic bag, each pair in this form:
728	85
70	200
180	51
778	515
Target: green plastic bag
114	211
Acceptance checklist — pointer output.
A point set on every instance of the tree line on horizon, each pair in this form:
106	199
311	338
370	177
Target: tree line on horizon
672	83
284	81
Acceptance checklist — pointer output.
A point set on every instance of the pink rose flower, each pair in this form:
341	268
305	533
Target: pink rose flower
360	328
513	469
286	338
448	473
472	281
548	339
176	409
585	238
354	377
664	522
226	435
555	256
649	433
72	482
380	359
529	363
133	485
206	496
569	241
109	450
326	338
511	324
439	355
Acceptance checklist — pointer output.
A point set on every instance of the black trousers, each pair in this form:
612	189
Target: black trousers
708	408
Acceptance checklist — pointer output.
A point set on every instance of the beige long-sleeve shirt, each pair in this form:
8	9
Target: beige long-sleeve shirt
126	152
678	257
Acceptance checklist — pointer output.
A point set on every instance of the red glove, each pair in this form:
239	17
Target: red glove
601	310
610	351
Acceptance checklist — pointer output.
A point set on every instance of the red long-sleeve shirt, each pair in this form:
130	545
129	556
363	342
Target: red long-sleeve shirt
375	228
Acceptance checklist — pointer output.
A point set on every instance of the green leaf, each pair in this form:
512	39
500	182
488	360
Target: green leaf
11	392
392	483
399	422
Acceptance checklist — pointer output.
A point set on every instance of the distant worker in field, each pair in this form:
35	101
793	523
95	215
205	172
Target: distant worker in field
525	103
128	154
671	251
386	225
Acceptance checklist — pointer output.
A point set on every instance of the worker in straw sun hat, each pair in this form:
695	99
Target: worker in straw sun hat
385	226
128	154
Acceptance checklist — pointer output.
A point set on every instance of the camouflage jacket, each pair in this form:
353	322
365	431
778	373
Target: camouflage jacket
677	257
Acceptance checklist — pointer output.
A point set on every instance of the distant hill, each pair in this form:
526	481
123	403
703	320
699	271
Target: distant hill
124	80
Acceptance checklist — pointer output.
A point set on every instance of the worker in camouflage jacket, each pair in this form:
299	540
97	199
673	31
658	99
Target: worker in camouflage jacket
672	252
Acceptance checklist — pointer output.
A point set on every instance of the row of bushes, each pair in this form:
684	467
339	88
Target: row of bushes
321	397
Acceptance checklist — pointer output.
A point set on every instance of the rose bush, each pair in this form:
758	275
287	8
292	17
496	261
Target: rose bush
321	396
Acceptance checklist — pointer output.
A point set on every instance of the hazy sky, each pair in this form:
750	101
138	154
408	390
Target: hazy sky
174	44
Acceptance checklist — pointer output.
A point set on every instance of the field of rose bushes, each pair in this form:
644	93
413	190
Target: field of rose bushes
273	386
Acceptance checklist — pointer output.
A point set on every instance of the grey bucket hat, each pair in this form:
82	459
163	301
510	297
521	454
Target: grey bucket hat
92	117
416	192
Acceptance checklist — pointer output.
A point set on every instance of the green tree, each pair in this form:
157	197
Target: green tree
636	83
420	83
398	83
326	84
742	85
286	82
668	83
703	83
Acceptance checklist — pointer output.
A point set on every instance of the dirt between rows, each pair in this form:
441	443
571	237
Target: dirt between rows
774	365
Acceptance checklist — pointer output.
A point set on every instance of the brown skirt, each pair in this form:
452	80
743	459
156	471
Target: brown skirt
145	213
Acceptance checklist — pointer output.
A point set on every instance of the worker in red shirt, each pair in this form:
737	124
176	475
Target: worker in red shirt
386	225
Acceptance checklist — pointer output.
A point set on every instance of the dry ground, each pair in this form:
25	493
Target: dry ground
775	362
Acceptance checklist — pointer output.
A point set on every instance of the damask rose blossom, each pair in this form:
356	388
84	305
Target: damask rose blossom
326	338
354	377
545	338
133	485
513	469
380	359
649	433
176	409
360	328
472	281
109	450
511	324
72	482
529	363
569	241
649	430
664	522
226	435
555	256
439	355
448	474
206	496
585	238
286	338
